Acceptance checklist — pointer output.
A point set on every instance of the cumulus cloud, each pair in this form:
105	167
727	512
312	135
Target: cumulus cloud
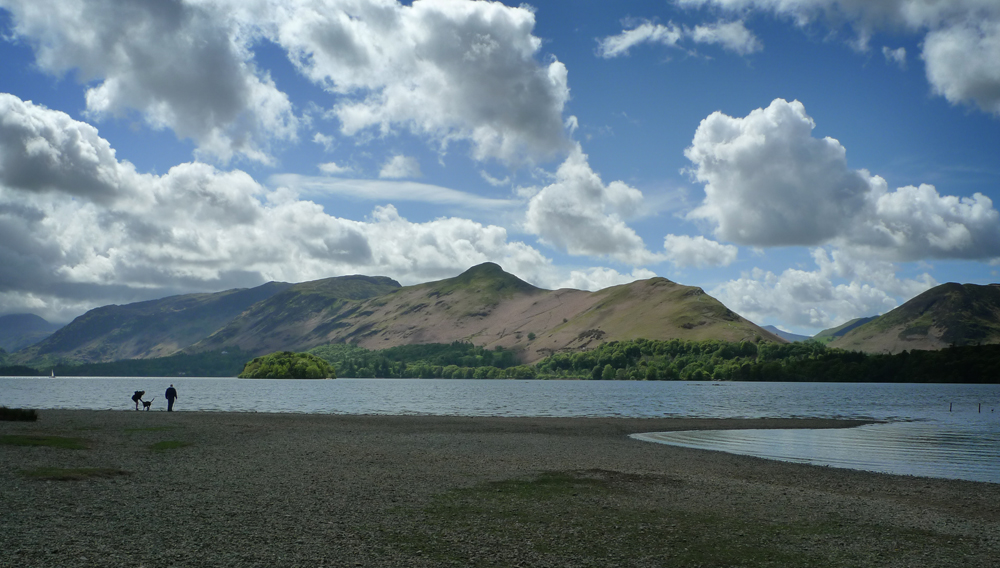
125	235
733	36
684	251
42	150
452	71
598	278
962	61
769	182
180	65
581	215
449	70
961	38
400	167
840	289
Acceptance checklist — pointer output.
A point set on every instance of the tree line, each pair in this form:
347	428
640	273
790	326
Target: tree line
639	359
643	359
457	360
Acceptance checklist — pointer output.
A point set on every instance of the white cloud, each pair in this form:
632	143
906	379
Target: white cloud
961	38
646	32
495	182
334	169
400	167
43	150
381	190
733	36
599	278
840	289
962	64
768	182
118	236
180	65
327	142
449	70
581	215
699	252
895	56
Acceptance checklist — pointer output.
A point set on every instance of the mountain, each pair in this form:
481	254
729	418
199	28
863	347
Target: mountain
154	328
490	308
789	337
484	305
299	317
949	314
828	335
18	331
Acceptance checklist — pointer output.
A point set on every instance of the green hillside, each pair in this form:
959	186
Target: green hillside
155	328
949	314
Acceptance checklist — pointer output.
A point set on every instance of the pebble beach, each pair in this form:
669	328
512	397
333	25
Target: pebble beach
127	488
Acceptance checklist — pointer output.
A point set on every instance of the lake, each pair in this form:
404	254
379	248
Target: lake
934	430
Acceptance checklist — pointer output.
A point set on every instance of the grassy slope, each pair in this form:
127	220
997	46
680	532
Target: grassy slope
949	314
491	308
292	319
155	328
828	335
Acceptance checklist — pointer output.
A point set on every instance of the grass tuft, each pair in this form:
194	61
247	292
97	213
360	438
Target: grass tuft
18	414
63	442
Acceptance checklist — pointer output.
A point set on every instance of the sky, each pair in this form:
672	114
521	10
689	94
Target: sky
806	162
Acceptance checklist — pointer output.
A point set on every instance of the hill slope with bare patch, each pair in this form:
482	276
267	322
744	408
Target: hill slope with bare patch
949	314
491	308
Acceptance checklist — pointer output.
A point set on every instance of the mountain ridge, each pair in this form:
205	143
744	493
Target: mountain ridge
948	314
484	305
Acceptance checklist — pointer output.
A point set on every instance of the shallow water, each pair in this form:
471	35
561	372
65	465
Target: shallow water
923	437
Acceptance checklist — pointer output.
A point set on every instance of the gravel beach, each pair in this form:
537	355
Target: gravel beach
228	489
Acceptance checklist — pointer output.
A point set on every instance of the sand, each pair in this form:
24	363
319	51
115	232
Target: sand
230	489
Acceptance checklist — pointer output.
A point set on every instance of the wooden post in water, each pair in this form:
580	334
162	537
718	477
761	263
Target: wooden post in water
949	406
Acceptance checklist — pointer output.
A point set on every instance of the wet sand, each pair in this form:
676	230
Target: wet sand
233	489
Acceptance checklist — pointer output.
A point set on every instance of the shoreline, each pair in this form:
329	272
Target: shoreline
284	489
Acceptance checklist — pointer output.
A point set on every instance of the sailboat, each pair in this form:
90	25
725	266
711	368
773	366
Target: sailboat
53	373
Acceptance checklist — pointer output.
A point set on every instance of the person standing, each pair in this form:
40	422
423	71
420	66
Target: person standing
170	395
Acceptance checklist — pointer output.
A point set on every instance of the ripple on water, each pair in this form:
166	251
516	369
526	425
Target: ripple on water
902	448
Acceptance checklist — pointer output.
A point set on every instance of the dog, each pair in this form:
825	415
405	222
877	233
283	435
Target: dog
137	397
146	403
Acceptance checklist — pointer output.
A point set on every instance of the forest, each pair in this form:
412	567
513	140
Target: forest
639	359
643	359
287	365
457	360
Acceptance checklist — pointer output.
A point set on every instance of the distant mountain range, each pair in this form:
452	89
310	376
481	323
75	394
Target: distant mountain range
18	331
789	337
485	306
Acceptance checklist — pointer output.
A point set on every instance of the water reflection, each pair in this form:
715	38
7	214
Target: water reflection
904	448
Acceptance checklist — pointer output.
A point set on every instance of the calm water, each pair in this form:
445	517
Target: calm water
922	437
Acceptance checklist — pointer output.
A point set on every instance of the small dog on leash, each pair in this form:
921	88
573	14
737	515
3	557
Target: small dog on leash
146	403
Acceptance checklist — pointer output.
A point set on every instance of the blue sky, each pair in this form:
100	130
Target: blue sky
804	161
